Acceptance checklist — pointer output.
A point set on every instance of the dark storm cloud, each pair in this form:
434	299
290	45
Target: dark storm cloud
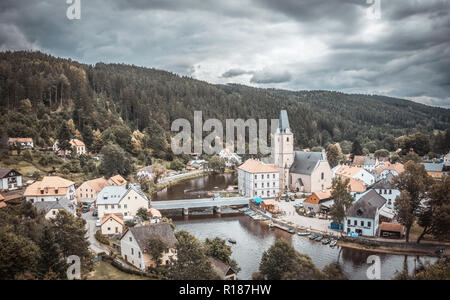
235	72
293	44
270	76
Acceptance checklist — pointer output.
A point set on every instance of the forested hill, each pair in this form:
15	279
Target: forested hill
100	96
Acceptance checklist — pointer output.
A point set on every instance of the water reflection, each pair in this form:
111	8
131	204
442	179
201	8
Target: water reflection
253	239
196	188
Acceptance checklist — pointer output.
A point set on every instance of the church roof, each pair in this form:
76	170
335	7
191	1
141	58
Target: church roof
283	122
305	162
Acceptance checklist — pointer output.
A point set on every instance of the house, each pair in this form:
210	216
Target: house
231	159
391	230
23	143
112	224
386	189
50	188
223	270
270	205
117	180
88	191
155	215
435	170
363	216
358	161
258	179
79	146
134	243
370	163
302	171
385	168
125	200
10	179
313	202
356	173
196	164
148	173
50	209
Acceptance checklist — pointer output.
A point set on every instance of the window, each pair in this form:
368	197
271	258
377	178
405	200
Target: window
109	228
256	176
287	139
131	239
369	224
322	175
355	223
349	222
125	206
106	206
139	254
362	223
132	251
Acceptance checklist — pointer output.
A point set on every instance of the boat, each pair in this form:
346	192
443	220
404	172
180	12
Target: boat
319	238
231	241
291	231
304	233
313	236
333	243
326	241
270	225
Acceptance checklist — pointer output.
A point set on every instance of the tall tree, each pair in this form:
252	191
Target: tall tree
64	137
156	248
115	161
219	249
413	183
356	149
192	262
334	154
343	200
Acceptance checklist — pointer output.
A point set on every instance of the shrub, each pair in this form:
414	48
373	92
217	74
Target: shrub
101	238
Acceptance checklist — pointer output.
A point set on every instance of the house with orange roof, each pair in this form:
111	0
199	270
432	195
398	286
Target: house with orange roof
112	224
356	187
87	192
23	143
356	173
50	188
79	146
117	180
257	179
314	202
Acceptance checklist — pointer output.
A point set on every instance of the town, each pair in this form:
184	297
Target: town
323	195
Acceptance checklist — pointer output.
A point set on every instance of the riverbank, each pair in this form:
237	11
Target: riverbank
405	249
169	183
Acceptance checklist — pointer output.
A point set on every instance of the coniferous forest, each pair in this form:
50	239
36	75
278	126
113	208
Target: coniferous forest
124	98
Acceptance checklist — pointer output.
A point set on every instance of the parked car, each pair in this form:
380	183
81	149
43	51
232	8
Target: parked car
95	213
98	223
85	209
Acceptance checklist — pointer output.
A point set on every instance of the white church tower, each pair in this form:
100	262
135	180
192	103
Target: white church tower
283	149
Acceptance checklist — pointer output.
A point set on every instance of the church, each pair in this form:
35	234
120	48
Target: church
299	171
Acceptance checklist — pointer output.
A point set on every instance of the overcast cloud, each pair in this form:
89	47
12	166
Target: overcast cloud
290	44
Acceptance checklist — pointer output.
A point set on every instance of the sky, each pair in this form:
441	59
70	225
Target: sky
398	48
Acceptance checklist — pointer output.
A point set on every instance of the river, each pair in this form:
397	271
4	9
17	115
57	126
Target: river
253	238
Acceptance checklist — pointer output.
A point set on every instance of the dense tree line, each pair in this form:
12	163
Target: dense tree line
33	248
116	100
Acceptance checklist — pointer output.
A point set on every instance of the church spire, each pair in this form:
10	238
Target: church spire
283	122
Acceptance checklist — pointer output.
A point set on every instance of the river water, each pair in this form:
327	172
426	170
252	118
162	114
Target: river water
253	238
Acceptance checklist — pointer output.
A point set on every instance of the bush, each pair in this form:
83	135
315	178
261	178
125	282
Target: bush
101	238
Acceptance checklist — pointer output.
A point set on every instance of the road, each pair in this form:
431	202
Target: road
168	179
91	229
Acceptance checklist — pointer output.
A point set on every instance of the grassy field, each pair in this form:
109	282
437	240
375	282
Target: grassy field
105	271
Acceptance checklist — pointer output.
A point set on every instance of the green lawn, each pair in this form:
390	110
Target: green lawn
105	271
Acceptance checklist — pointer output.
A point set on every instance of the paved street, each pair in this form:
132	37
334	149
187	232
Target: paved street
91	229
312	223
